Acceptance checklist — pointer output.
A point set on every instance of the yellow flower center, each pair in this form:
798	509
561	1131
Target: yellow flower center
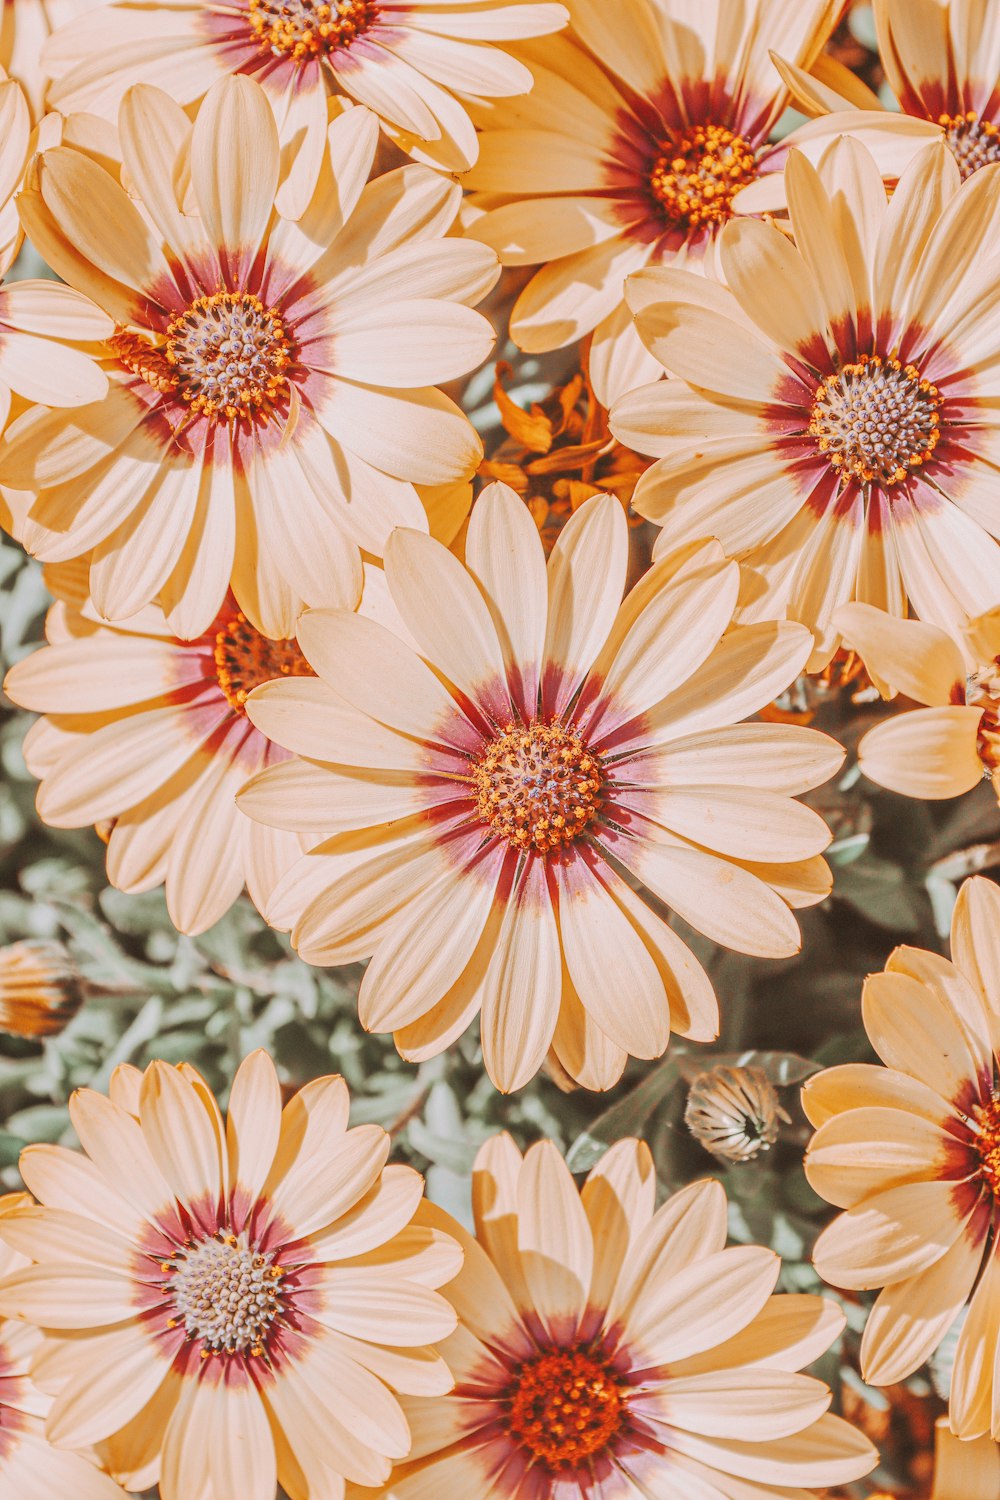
876	420
244	659
225	1293
303	29
230	355
986	1118
974	142
538	786
699	174
564	1408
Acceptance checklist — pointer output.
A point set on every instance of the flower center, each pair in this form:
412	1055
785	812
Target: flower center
876	420
538	786
226	1294
229	354
974	142
244	659
302	29
564	1408
699	174
987	1120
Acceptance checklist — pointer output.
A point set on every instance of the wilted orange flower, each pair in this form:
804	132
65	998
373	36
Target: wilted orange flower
229	1304
645	122
911	1152
470	799
414	62
835	418
40	989
611	1351
198	472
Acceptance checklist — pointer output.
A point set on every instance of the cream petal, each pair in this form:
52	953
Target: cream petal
619	1198
791	1331
910	1319
586	577
757	1407
890	1237
973	1379
116	1145
703	1305
123	1375
234	169
830	1451
912	657
922	1032
522	984
866	1086
975	933
504	554
554	1241
689	1227
865	1151
182	1140
932	752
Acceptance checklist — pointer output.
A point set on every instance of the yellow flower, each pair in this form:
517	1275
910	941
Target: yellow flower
646	120
196	471
911	1152
229	1305
29	1465
609	1350
414	65
834	424
472	798
948	747
40	989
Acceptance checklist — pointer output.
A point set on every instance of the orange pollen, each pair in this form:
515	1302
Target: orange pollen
974	142
699	174
140	357
229	355
565	1407
876	420
986	1118
538	786
303	29
244	659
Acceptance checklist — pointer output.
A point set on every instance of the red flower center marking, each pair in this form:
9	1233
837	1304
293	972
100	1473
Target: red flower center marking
538	786
699	174
974	142
244	659
565	1407
302	29
225	1294
876	420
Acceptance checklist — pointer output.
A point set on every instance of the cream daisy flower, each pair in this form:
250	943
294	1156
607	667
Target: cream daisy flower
30	1468
416	63
611	1351
230	1305
266	472
911	1151
644	123
40	989
475	804
835	421
942	62
946	748
964	1471
150	733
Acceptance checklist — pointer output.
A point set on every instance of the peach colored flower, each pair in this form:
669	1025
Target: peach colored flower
229	1304
946	748
40	989
911	1152
416	63
473	800
611	1351
30	1466
834	423
271	399
645	122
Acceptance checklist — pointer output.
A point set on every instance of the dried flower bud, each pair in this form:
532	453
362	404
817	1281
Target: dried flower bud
734	1112
40	989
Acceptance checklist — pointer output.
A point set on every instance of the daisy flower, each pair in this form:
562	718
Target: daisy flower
644	124
416	63
941	60
964	1471
911	1151
476	801
947	747
40	989
29	1465
229	1304
270	401
609	1350
834	424
150	733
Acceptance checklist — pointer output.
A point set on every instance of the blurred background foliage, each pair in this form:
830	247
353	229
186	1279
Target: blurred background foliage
210	1000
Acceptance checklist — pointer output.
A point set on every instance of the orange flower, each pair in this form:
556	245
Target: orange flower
911	1152
40	989
229	1305
611	1351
